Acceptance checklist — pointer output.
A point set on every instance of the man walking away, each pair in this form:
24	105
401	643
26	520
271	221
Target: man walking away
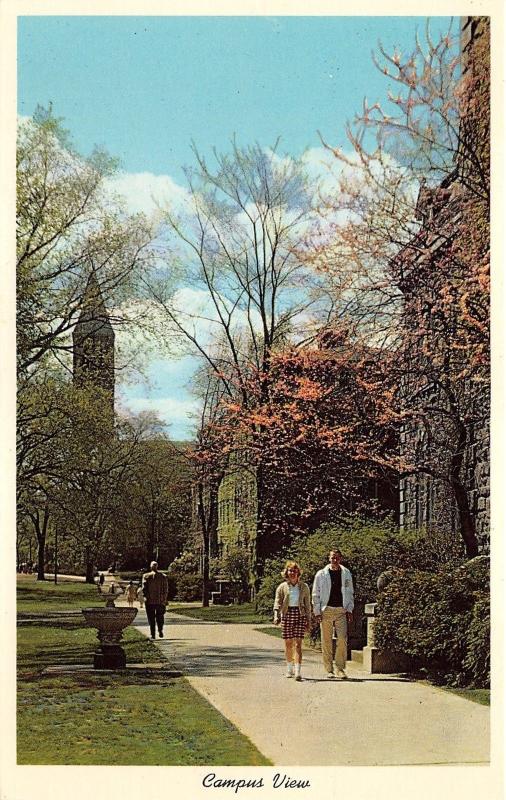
333	607
155	587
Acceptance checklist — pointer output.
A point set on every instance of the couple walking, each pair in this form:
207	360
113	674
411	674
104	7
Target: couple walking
332	601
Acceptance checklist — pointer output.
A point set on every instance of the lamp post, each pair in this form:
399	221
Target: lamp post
56	554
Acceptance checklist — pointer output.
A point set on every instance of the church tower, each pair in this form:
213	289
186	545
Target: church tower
93	345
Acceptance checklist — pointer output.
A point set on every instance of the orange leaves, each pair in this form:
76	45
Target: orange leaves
310	390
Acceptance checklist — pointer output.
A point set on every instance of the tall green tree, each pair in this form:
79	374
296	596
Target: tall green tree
68	224
236	242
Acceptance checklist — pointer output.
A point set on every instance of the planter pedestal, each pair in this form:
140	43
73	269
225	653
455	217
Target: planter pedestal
109	656
109	622
378	661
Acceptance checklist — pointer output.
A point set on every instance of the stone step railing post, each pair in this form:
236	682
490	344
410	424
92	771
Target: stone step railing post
378	661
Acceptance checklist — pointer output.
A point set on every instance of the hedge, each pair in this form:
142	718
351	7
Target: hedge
368	547
441	620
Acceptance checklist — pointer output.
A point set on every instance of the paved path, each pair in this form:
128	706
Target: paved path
368	720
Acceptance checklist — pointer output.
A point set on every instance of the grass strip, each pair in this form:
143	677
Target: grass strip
240	614
481	696
270	631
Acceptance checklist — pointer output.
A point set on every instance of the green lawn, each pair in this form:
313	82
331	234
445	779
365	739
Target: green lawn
244	613
39	596
481	696
125	718
270	631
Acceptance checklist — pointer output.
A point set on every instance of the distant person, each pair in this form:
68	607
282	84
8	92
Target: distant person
101	579
140	596
292	608
156	589
131	593
333	609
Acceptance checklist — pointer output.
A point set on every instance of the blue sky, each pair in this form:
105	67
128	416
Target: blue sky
145	87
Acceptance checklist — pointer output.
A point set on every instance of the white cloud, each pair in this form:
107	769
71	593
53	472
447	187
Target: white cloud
145	192
177	414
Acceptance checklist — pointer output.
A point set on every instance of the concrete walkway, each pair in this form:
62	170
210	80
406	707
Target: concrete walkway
368	720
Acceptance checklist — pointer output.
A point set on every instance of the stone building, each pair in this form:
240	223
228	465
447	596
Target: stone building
446	488
237	509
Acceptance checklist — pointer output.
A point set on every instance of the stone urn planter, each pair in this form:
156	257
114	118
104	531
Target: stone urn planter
110	622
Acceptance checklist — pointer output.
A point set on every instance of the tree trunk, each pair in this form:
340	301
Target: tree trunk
150	548
41	556
269	536
204	528
205	580
213	523
41	532
466	518
90	571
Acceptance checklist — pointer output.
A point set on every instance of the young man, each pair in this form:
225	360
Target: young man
333	607
156	588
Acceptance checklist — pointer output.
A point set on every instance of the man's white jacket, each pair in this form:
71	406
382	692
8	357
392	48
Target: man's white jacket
322	585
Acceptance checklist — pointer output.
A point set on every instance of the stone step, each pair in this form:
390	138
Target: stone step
357	656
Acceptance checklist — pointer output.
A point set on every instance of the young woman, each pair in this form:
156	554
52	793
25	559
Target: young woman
131	593
292	608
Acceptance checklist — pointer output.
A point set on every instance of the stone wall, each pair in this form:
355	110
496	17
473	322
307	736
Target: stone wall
451	415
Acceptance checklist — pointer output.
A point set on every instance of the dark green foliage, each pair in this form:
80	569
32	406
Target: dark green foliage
477	658
441	620
235	567
172	586
189	587
369	547
264	599
185	581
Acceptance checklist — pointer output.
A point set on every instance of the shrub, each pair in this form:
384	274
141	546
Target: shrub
185	582
172	591
188	587
235	566
264	600
368	547
477	658
186	564
439	619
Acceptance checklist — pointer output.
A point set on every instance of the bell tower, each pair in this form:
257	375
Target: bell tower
93	345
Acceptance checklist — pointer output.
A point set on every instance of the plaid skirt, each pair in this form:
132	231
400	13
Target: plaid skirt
292	625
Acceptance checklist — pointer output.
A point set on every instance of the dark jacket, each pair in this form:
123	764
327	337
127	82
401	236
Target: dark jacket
155	587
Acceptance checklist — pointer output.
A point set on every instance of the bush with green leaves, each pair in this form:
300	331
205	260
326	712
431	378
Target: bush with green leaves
264	600
188	587
185	580
441	620
368	547
235	566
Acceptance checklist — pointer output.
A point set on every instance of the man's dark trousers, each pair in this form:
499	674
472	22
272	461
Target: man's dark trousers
156	613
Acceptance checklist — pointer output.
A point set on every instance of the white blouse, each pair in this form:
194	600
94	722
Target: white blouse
294	592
